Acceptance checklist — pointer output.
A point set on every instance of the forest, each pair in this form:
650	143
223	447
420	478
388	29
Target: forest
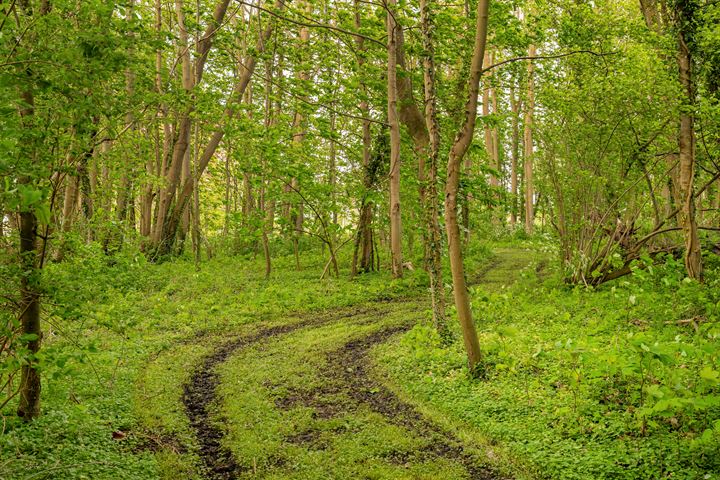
360	239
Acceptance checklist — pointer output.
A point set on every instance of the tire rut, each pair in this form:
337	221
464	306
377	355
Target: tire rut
359	384
200	393
354	379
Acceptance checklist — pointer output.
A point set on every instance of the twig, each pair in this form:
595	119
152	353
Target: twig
547	57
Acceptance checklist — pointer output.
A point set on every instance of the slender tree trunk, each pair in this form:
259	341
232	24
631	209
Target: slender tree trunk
363	240
297	217
332	170
159	168
686	144
146	199
184	229
457	152
196	225
515	155
185	192
393	122
528	145
170	204
434	260
495	135
267	207
228	189
486	111
413	119
30	384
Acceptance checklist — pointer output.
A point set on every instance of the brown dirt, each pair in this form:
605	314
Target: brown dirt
348	383
362	387
200	393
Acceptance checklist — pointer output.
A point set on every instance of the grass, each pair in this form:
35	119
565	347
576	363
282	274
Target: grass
276	401
122	339
578	383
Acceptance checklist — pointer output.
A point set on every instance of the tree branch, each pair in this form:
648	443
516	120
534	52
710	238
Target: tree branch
547	57
314	24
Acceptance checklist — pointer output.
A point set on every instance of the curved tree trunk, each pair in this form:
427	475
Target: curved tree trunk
457	152
686	144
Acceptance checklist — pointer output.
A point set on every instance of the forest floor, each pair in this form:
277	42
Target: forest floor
168	372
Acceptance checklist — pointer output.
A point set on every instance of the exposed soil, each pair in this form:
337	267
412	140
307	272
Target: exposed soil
199	400
352	366
347	384
200	393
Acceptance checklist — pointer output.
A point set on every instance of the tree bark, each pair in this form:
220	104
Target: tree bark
486	111
364	235
30	383
457	152
686	145
434	237
395	217
297	210
515	154
169	200
528	145
185	192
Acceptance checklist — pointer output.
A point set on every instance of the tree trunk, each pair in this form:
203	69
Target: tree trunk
686	144
495	135
515	155
332	170
363	239
528	145
171	223
169	203
30	384
457	152
267	207
487	130
298	128
434	237
196	226
395	218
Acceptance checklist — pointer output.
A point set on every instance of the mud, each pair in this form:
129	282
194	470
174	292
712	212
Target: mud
200	393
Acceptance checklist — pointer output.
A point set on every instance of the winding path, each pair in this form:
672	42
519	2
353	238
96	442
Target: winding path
347	384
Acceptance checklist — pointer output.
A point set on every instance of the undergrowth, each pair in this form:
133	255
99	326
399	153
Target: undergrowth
577	383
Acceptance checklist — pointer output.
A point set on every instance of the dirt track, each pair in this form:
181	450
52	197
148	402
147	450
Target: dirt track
346	383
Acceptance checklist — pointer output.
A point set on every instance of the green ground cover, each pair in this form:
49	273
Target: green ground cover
619	381
615	382
122	339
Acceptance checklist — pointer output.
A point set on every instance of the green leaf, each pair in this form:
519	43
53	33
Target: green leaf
712	376
28	337
42	212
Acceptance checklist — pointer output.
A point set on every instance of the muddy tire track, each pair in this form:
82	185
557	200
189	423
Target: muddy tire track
351	367
348	372
200	393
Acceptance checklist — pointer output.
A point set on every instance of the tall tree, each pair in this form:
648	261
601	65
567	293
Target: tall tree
434	256
394	126
457	152
528	143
